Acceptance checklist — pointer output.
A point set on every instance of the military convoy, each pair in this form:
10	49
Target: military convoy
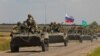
28	34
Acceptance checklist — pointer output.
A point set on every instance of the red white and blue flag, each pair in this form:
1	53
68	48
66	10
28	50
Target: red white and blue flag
69	19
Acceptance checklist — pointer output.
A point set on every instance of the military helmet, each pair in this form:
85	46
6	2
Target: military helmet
18	23
29	15
51	23
59	24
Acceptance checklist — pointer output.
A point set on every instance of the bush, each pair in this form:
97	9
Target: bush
96	52
4	44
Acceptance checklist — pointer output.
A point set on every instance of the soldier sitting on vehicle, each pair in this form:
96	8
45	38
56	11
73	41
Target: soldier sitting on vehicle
38	30
31	24
25	27
54	27
51	27
59	27
17	28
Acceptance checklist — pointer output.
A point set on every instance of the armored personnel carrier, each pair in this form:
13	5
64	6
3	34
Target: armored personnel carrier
75	34
27	40
28	34
57	34
87	35
58	38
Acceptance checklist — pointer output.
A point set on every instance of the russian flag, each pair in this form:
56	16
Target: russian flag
69	19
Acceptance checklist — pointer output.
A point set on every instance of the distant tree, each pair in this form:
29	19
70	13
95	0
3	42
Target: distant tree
93	25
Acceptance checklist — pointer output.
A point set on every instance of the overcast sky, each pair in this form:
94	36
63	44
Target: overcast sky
12	11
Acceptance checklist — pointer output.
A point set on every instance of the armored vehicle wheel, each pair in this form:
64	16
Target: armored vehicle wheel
44	46
80	40
14	49
91	39
65	42
95	37
47	42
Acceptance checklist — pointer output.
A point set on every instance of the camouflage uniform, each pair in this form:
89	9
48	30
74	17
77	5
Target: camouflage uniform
59	28
51	26
31	24
25	27
54	27
17	28
44	29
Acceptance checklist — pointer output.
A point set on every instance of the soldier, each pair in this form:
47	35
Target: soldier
59	28
51	25
45	29
54	27
31	24
39	30
17	28
24	26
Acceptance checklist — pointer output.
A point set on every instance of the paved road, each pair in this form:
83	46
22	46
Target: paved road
73	49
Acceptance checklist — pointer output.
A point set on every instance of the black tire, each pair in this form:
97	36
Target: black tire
91	39
14	48
80	40
44	46
96	38
46	42
65	42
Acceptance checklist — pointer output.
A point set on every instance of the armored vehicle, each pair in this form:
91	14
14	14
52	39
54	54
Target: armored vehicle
75	34
87	37
28	34
58	38
27	40
95	36
87	34
57	33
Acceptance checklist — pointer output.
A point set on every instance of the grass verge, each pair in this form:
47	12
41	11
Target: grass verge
96	52
4	44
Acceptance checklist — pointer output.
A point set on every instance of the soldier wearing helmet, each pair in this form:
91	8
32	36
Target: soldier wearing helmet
31	23
17	28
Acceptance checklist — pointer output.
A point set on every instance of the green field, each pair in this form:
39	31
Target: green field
4	41
4	44
96	52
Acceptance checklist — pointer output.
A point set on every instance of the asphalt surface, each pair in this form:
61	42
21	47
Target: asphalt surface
74	48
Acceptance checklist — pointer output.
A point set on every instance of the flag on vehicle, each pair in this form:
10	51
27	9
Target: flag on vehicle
69	19
84	23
